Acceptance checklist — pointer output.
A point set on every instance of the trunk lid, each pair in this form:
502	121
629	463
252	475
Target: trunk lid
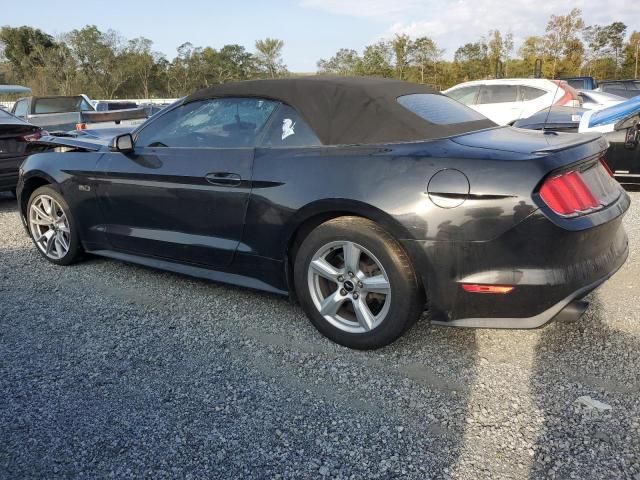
517	140
86	144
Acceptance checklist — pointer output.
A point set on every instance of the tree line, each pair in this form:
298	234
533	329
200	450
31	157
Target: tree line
106	65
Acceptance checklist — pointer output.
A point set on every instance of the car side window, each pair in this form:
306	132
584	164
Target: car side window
212	123
529	93
497	94
20	109
465	95
288	129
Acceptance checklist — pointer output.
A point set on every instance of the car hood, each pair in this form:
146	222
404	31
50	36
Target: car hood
518	140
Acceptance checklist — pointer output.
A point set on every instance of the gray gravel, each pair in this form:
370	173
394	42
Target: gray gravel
108	369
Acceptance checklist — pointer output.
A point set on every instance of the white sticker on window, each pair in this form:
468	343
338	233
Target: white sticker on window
287	128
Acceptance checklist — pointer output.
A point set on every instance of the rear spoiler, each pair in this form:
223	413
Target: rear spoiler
114	115
71	142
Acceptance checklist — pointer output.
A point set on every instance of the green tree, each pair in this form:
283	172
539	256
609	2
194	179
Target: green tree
377	60
425	56
101	60
143	63
471	61
56	67
344	62
630	59
402	48
18	45
562	38
269	57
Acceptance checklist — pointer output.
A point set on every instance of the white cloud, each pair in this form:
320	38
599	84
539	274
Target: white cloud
381	9
455	22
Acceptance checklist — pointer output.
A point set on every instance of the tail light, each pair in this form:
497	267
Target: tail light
496	289
571	98
32	137
578	192
81	126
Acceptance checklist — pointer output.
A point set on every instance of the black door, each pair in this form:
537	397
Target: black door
183	193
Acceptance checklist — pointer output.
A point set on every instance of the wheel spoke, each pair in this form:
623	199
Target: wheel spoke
363	314
58	246
41	221
351	257
41	213
47	204
63	241
332	303
377	284
325	269
50	241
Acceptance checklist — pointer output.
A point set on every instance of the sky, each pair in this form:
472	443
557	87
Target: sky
311	29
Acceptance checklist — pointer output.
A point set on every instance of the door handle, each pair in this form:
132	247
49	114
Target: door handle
224	179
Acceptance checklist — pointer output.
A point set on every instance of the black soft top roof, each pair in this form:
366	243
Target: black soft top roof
347	110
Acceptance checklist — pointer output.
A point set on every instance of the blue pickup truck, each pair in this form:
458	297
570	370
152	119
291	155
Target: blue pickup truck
581	83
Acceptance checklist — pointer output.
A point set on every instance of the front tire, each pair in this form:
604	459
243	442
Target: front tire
356	283
52	227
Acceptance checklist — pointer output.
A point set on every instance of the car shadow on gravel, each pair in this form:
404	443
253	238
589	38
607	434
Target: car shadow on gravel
7	202
587	357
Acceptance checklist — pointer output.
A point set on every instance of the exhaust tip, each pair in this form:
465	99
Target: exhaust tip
573	311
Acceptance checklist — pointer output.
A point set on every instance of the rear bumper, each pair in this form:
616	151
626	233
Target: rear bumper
549	267
569	306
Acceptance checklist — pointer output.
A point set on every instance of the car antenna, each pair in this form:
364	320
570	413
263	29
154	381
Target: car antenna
546	119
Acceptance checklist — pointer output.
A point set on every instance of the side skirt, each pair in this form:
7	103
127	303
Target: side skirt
192	271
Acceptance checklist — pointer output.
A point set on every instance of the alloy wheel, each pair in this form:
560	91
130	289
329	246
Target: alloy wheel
349	287
49	227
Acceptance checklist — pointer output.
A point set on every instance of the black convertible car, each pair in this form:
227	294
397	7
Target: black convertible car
368	200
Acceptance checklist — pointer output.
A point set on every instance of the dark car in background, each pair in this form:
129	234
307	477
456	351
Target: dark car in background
622	88
368	200
16	137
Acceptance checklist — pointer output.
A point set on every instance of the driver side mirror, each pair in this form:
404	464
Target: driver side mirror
122	143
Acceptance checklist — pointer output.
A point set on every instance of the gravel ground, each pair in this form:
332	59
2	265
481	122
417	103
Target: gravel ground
112	370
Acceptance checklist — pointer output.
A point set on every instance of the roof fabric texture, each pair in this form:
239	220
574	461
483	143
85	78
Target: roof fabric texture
347	110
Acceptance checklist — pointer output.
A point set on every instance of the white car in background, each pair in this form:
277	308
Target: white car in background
506	100
594	100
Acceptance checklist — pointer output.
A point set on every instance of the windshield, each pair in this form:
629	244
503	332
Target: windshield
61	105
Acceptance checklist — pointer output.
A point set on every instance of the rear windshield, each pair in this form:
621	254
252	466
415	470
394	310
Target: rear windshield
439	109
61	105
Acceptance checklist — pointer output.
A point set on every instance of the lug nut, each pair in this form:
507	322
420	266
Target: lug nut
343	292
341	278
351	274
355	295
360	285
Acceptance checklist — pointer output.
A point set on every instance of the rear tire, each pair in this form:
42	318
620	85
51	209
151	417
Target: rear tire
52	226
356	283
